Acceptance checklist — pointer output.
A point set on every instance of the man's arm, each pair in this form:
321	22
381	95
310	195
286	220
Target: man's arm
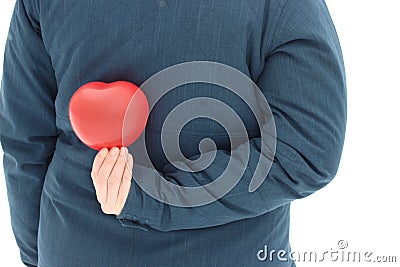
304	83
27	125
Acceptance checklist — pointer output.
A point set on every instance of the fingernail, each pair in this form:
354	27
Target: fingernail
114	151
103	151
124	151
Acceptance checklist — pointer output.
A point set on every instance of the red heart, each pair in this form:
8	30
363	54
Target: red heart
108	114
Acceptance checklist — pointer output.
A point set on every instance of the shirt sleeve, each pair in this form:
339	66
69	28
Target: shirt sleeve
304	83
27	125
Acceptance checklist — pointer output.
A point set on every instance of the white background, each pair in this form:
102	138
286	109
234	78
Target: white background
358	206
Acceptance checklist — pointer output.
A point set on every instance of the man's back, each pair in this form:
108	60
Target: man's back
132	40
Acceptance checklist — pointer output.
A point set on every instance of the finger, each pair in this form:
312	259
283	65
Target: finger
98	161
115	178
125	184
108	164
101	179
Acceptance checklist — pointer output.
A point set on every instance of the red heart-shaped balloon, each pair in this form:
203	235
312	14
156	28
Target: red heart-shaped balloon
108	114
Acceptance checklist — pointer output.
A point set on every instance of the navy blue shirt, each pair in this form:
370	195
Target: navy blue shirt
289	48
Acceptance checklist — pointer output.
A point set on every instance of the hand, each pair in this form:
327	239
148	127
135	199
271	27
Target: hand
112	177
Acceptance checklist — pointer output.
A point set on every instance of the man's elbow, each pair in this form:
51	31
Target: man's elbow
326	167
